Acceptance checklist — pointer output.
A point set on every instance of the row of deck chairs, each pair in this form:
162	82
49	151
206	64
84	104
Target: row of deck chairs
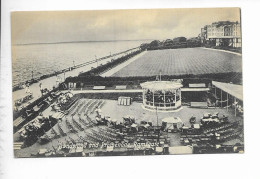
70	126
100	104
56	135
108	131
229	136
93	138
78	126
92	122
72	108
73	127
80	107
104	136
82	139
222	127
75	111
92	107
61	130
215	136
83	108
87	108
84	122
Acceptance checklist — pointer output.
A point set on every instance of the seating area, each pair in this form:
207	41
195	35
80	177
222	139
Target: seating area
76	119
77	126
34	109
31	131
66	100
102	134
89	121
212	130
207	148
19	102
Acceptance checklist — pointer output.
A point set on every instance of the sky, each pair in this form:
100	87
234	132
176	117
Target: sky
103	25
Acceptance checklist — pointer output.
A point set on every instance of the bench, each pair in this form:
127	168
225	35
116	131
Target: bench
197	85
199	104
99	87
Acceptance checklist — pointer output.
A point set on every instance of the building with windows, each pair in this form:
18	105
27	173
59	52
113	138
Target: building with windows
203	34
222	33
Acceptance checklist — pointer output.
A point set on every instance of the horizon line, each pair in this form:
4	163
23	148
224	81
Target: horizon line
39	43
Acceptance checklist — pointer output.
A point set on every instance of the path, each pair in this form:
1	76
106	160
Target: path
119	67
49	83
239	54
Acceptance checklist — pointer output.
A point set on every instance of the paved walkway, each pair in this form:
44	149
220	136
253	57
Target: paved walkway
49	83
239	54
129	90
108	91
119	67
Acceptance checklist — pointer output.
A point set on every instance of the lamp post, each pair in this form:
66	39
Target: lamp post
32	74
96	60
157	125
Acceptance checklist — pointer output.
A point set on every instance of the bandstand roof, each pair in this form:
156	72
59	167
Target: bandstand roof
161	85
232	89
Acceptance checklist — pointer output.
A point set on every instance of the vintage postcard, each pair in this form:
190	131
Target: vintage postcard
127	82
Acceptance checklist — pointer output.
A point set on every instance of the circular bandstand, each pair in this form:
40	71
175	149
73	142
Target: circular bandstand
161	95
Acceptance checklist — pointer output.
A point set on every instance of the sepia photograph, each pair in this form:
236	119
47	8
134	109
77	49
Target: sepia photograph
130	82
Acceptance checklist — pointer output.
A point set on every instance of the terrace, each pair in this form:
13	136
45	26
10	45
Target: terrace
79	124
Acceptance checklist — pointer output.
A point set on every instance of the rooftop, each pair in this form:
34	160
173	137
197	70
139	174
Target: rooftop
232	89
161	85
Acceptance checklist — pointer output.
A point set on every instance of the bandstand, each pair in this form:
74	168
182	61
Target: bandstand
161	95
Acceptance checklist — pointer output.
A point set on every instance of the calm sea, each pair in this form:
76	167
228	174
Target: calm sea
48	58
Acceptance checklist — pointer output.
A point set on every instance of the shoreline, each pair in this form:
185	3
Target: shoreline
51	81
18	86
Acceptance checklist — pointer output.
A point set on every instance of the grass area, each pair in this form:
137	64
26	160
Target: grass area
182	61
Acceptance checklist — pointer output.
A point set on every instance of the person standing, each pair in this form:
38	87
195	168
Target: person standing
27	90
40	85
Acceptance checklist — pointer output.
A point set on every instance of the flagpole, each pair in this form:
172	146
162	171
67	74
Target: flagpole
157	124
157	115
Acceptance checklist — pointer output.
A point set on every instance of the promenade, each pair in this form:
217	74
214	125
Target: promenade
54	81
51	82
121	66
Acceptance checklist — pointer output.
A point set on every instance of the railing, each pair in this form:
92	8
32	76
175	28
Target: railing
35	80
162	105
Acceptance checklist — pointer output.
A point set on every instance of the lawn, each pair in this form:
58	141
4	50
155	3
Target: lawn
182	61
